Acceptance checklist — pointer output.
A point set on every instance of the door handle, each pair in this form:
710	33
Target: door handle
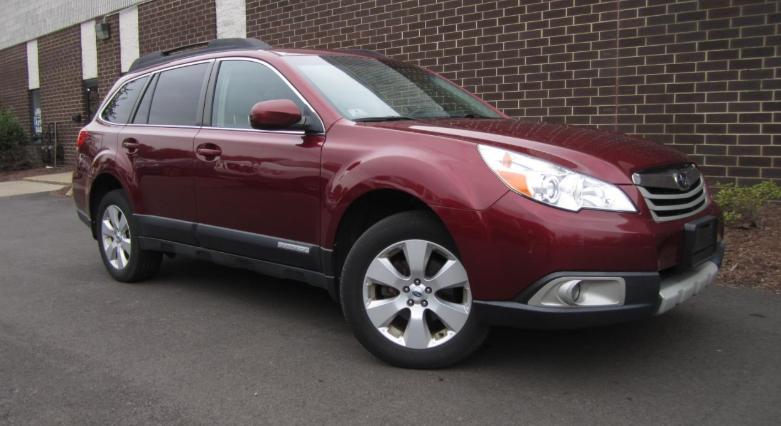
131	145
209	152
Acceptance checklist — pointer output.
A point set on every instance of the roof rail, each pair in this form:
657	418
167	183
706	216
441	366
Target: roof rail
363	52
217	45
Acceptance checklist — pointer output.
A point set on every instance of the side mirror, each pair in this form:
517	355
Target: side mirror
275	114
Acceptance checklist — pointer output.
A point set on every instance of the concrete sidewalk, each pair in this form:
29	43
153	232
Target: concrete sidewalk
22	187
55	179
35	184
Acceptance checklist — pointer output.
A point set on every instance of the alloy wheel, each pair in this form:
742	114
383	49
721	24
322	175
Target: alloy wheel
115	232
416	294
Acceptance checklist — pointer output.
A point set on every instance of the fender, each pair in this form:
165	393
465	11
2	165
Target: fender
106	162
356	160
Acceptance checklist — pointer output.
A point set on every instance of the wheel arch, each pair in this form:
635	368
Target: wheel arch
366	210
103	183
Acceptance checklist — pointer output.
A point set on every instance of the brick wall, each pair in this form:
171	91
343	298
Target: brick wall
703	76
14	92
109	67
62	91
166	24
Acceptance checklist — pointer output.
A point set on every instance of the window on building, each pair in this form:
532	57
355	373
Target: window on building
242	84
91	97
121	105
37	123
177	96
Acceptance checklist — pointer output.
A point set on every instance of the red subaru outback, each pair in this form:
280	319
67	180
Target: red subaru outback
427	213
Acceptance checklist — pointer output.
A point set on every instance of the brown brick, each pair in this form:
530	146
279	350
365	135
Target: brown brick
721	160
771	173
59	62
166	24
755	161
743	171
14	94
704	75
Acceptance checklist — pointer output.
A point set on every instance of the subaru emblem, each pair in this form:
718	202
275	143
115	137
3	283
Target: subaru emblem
682	180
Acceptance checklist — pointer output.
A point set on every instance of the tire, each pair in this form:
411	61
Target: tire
419	337
115	212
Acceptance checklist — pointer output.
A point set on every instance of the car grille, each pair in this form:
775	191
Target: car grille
674	192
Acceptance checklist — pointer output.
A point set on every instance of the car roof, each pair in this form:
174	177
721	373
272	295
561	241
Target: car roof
222	47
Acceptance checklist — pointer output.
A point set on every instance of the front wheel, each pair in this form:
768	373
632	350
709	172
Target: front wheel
406	294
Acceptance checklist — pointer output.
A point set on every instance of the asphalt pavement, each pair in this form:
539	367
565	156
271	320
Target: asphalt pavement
202	344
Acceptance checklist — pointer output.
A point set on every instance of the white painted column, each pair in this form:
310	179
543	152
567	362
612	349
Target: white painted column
32	65
128	37
231	18
89	51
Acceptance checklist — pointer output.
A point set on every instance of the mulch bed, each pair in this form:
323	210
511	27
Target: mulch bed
753	256
21	174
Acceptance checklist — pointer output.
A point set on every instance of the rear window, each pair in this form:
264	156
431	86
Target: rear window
142	112
177	96
121	105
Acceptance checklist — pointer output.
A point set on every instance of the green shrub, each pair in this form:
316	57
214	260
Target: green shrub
13	141
742	205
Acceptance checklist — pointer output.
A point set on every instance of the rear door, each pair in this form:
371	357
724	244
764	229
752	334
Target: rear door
159	143
117	111
260	195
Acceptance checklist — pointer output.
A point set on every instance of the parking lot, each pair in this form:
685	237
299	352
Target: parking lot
204	344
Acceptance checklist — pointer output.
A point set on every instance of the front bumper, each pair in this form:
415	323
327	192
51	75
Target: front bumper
516	242
647	294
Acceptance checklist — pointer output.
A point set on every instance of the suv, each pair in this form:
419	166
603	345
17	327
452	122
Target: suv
427	213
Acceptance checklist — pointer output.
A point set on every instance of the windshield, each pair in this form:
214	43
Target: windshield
369	89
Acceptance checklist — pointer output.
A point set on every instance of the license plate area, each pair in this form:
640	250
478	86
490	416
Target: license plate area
700	240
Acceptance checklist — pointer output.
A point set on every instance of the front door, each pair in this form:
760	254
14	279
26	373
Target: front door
258	192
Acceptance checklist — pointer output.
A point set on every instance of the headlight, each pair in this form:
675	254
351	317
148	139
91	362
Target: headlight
554	185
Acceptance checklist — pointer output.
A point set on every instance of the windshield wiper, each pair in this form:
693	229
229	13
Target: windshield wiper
471	116
388	118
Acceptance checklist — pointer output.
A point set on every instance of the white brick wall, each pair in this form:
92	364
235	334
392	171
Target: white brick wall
89	51
128	37
231	18
23	20
33	76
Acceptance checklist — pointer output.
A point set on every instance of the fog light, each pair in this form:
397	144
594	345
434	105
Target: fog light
580	292
569	292
575	292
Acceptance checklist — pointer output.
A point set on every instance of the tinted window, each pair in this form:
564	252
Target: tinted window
119	108
177	95
242	84
142	113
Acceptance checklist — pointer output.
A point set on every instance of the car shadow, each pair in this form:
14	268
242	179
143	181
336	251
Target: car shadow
599	348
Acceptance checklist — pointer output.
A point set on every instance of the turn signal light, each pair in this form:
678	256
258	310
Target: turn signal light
83	135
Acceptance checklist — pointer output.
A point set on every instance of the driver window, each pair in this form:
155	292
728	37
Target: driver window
242	84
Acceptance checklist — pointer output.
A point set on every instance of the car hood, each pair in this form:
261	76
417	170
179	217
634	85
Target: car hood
609	156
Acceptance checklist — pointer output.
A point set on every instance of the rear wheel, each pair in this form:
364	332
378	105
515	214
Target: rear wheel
406	294
118	241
